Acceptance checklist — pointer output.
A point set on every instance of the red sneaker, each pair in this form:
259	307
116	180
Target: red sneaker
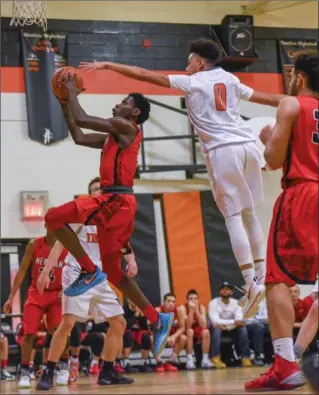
283	375
169	367
159	368
94	369
118	369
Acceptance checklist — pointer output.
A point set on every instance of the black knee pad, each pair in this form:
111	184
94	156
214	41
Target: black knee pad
47	341
127	340
96	341
75	337
146	341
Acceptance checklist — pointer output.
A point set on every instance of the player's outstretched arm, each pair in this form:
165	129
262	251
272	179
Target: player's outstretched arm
277	140
91	140
266	99
19	278
136	73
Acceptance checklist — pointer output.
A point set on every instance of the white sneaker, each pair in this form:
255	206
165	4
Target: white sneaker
25	381
8	375
62	377
255	294
190	364
207	364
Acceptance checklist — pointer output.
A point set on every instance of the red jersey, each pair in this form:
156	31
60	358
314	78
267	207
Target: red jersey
300	311
118	165
302	160
41	252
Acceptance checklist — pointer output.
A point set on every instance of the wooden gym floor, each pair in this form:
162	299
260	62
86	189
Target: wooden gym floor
229	381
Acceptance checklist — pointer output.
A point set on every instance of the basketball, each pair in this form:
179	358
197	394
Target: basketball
62	75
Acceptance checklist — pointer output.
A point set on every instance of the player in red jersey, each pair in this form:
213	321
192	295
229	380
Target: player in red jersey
177	338
292	252
36	305
114	210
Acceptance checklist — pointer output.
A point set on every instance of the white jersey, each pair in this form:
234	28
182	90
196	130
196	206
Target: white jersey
89	242
213	105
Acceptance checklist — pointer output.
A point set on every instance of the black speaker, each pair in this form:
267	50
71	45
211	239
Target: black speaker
237	36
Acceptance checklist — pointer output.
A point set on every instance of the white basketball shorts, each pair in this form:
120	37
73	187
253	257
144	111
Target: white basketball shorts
235	176
101	301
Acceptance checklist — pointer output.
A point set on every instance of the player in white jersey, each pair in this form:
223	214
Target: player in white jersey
101	301
232	156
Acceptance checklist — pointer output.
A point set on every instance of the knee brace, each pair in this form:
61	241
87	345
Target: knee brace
47	341
146	341
75	337
127	340
96	342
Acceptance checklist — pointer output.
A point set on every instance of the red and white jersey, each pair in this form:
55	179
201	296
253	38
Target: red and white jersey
89	241
213	105
41	252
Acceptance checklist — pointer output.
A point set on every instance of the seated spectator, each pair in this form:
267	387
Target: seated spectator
177	338
226	317
196	329
5	375
138	332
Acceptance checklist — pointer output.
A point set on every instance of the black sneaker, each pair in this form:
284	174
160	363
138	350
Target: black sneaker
3	377
45	382
112	378
259	360
130	369
146	368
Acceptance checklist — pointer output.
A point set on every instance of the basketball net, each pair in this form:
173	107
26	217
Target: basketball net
29	12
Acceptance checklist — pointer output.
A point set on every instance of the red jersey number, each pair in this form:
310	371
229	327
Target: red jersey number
315	135
220	97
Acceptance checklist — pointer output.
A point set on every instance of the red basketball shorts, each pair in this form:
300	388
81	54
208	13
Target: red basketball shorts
113	215
292	251
198	333
36	305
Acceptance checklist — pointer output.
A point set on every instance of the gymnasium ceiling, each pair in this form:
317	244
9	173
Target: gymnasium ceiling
284	13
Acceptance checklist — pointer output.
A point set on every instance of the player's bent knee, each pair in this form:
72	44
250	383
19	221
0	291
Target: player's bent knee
118	324
146	341
206	333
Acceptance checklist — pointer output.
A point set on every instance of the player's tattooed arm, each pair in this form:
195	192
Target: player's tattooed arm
136	73
277	139
91	140
19	278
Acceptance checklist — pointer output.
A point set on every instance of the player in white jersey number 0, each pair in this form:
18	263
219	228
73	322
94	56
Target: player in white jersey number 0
232	157
101	301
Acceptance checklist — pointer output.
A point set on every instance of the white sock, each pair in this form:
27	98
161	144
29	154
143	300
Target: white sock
190	357
205	357
256	241
173	357
94	362
285	348
240	246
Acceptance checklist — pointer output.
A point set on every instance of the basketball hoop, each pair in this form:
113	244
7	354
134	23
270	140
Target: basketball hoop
29	12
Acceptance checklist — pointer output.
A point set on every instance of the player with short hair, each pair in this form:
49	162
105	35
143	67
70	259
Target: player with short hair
213	104
292	251
37	305
113	211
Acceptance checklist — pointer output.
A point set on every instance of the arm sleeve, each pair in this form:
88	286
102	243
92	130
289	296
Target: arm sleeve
245	92
183	82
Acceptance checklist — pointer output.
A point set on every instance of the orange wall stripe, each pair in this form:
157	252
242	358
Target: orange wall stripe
186	245
108	82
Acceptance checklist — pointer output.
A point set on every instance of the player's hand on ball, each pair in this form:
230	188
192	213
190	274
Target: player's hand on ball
71	87
265	134
7	306
89	66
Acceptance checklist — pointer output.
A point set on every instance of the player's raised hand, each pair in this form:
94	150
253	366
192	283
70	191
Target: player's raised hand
89	66
7	306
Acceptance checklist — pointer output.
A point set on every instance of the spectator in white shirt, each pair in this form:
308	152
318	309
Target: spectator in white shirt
227	318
